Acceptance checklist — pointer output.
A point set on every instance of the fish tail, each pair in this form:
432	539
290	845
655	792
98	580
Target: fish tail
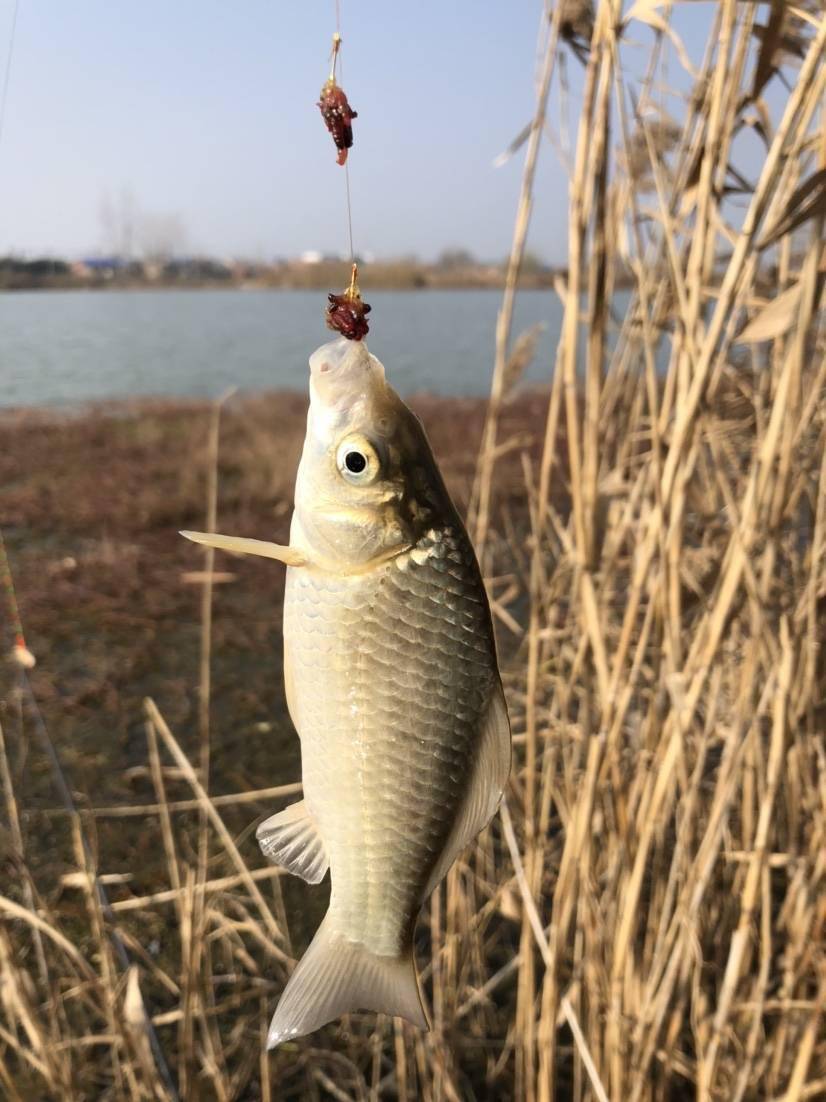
336	976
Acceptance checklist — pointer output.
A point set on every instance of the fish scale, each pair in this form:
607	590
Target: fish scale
402	746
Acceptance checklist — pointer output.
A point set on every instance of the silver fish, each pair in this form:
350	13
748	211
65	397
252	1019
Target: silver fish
392	684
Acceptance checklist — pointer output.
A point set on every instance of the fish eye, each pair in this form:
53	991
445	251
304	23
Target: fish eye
357	460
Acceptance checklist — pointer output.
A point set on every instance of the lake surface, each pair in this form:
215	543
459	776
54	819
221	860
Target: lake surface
60	348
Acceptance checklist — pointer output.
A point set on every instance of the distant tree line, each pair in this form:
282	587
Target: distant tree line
40	268
454	268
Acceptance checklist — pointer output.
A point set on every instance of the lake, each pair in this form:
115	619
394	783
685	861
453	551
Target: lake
59	348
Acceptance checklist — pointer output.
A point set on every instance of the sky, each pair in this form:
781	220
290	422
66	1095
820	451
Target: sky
201	115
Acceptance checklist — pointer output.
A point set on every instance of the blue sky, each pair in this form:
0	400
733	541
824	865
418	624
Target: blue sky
206	110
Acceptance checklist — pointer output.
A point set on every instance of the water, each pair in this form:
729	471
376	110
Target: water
61	348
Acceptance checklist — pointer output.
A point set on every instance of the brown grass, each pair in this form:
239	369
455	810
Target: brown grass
646	918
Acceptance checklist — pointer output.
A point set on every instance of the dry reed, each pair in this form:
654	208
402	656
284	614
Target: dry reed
647	918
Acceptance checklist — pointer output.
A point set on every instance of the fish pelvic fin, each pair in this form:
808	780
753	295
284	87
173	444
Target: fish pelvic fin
291	839
243	546
336	976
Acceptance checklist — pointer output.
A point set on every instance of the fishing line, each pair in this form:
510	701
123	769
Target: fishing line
7	73
24	660
337	58
349	213
347	312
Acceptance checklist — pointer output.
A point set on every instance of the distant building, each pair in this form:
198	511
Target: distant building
311	256
152	270
103	266
102	263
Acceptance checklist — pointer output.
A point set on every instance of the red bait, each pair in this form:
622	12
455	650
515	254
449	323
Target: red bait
338	117
347	315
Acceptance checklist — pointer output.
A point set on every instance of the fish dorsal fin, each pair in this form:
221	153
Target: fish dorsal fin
243	546
490	775
291	839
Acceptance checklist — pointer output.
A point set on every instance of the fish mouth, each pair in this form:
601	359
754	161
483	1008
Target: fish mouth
341	373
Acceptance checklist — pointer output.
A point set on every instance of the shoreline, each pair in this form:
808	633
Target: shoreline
120	408
138	405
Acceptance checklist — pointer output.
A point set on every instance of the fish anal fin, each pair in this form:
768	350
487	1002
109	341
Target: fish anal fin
243	546
291	839
337	976
490	775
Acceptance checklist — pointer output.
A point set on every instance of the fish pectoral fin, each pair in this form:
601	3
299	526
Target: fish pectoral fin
487	783
291	839
337	976
243	546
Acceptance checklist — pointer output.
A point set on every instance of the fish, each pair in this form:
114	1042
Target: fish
393	685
